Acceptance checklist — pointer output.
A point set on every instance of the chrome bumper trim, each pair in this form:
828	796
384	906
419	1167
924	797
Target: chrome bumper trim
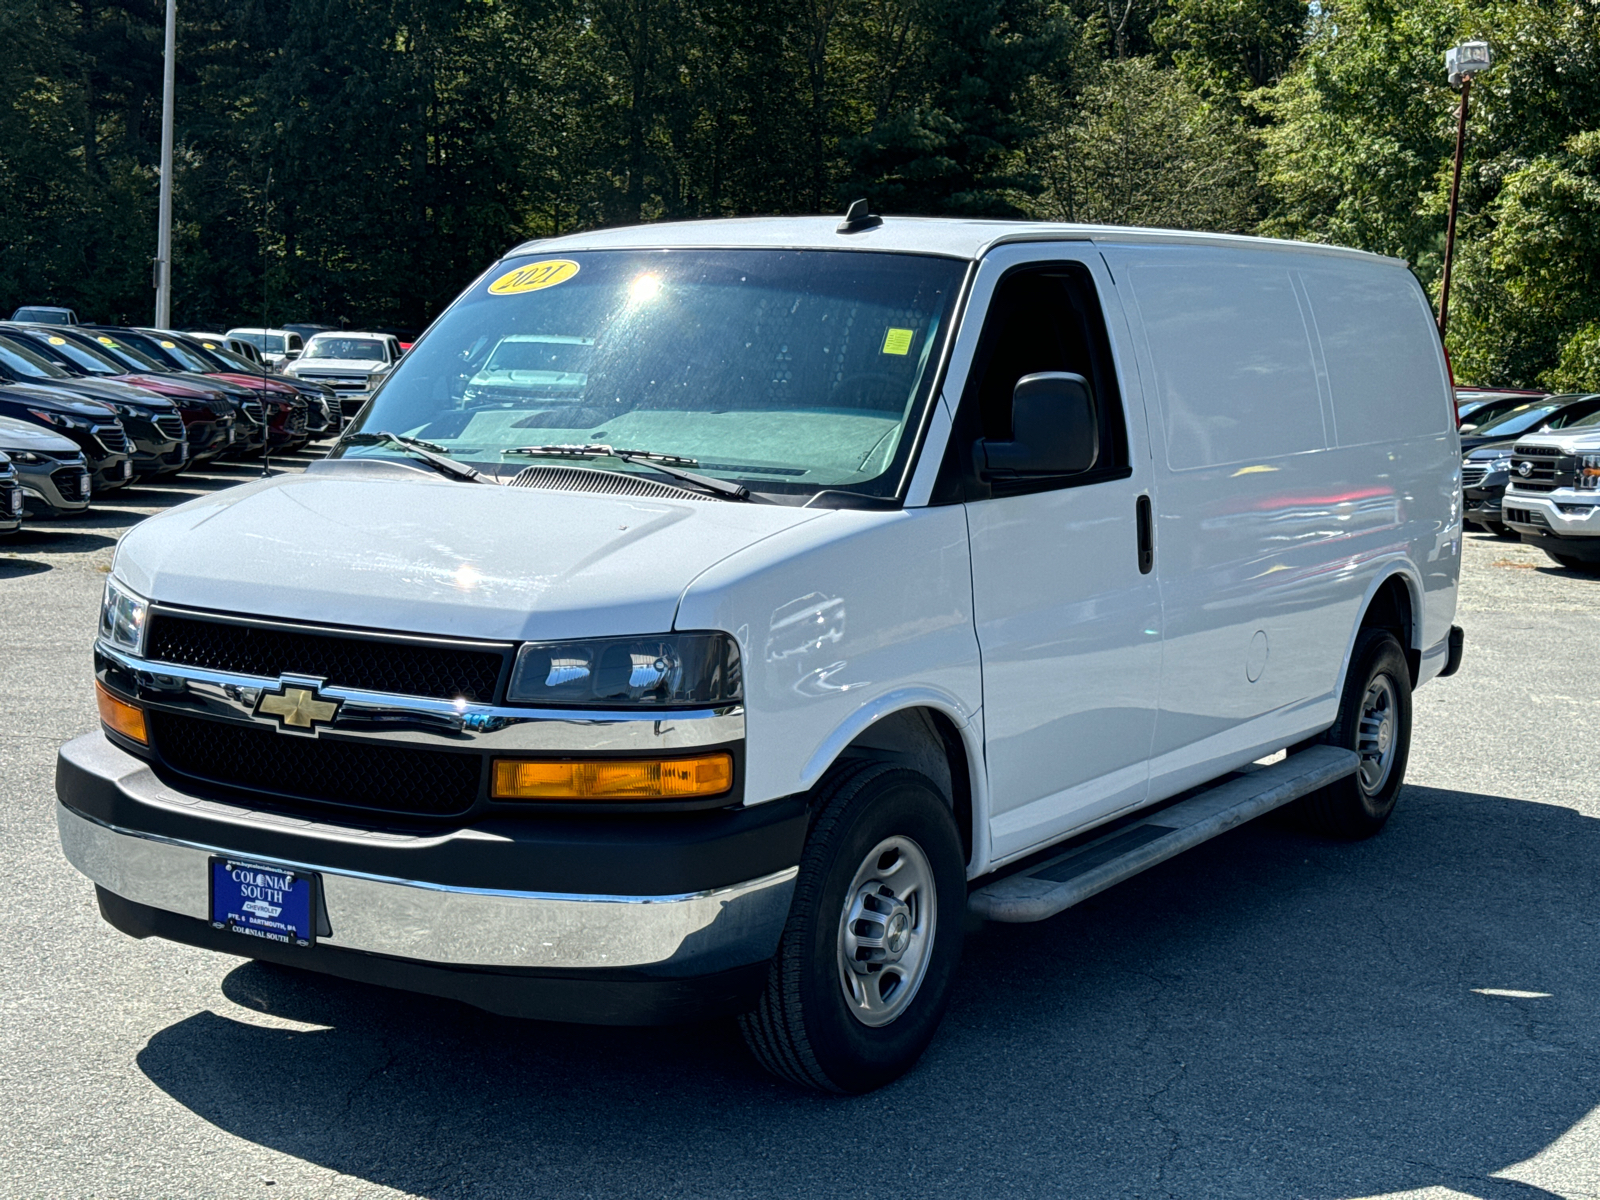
419	721
701	931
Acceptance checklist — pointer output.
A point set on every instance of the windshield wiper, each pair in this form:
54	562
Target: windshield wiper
429	453
667	464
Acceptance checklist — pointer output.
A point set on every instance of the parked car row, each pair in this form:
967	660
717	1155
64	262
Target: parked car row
87	409
1532	470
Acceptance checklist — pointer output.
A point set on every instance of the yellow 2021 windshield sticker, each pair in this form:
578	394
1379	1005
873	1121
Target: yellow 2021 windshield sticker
897	341
534	277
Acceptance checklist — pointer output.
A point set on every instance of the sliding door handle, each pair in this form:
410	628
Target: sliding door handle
1147	541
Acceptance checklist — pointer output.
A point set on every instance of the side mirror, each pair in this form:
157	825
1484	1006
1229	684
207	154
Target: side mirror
1054	430
291	355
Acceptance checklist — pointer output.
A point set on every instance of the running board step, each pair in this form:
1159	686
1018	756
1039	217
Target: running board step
1067	879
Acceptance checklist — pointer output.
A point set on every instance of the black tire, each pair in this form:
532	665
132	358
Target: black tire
1355	807
804	1030
1582	566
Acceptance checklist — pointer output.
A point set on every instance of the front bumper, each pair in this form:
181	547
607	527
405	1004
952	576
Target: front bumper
1566	521
497	914
53	489
1483	503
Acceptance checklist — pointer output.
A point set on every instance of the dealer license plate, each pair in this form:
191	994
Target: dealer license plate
264	901
16	503
127	468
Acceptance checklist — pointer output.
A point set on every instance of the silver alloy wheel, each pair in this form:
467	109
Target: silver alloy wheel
886	931
1377	734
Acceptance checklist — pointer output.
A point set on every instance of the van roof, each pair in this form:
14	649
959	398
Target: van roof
954	237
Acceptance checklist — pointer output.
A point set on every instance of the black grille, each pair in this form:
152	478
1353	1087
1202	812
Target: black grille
10	500
399	668
1537	469
355	774
171	426
1526	516
72	483
253	410
612	483
1473	474
112	438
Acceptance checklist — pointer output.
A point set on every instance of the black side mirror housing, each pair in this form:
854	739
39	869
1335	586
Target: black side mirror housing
1054	430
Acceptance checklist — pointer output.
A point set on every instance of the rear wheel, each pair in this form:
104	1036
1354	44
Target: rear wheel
1374	721
863	972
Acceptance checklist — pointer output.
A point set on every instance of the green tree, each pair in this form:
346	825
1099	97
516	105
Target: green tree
1141	148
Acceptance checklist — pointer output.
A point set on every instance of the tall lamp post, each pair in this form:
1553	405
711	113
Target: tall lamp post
1462	62
163	278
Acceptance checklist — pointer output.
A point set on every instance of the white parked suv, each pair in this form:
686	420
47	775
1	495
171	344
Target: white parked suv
710	618
1553	494
352	364
277	347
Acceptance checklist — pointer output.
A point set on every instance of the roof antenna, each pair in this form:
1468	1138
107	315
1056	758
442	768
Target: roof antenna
857	219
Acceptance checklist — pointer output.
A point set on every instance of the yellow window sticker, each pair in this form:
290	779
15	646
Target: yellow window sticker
207	345
58	341
898	341
169	345
534	277
105	341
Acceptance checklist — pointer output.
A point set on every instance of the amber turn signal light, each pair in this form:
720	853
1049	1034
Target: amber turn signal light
613	779
119	716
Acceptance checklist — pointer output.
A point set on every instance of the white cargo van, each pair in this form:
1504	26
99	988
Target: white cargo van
808	588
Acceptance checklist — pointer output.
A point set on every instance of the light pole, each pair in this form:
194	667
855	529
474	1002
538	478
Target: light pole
1462	62
164	220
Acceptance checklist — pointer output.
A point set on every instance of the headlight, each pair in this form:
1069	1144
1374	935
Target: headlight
122	617
669	670
25	456
59	420
1588	471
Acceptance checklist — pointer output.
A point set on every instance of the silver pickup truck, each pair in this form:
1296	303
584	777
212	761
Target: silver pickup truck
352	364
1553	497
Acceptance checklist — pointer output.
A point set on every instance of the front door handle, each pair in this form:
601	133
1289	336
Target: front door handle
1147	542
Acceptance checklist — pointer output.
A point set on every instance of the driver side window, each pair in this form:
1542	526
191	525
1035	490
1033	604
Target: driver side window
1043	317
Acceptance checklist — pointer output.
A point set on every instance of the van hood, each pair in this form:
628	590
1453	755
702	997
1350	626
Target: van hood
417	553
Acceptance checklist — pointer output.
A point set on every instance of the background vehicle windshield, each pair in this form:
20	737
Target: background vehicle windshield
25	362
344	347
272	343
789	371
174	355
122	352
92	361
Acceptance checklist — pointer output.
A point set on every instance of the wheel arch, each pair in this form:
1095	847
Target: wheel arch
931	733
1394	602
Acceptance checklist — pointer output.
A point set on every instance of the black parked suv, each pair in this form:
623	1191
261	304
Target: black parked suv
209	417
284	409
153	423
251	426
93	426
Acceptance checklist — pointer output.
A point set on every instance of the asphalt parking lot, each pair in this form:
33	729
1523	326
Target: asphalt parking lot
1268	1016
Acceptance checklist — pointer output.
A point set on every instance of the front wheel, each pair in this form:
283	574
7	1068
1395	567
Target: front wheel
864	969
1375	721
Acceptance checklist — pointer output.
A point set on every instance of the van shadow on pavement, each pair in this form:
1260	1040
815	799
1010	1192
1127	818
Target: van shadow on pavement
1269	1015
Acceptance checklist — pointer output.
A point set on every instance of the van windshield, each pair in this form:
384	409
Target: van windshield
789	371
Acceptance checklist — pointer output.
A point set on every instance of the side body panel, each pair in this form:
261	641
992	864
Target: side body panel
1305	452
840	621
1069	629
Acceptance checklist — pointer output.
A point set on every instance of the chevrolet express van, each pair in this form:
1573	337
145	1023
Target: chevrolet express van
828	585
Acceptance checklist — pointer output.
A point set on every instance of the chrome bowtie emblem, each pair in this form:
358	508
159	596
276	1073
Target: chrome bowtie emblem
297	706
1524	469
